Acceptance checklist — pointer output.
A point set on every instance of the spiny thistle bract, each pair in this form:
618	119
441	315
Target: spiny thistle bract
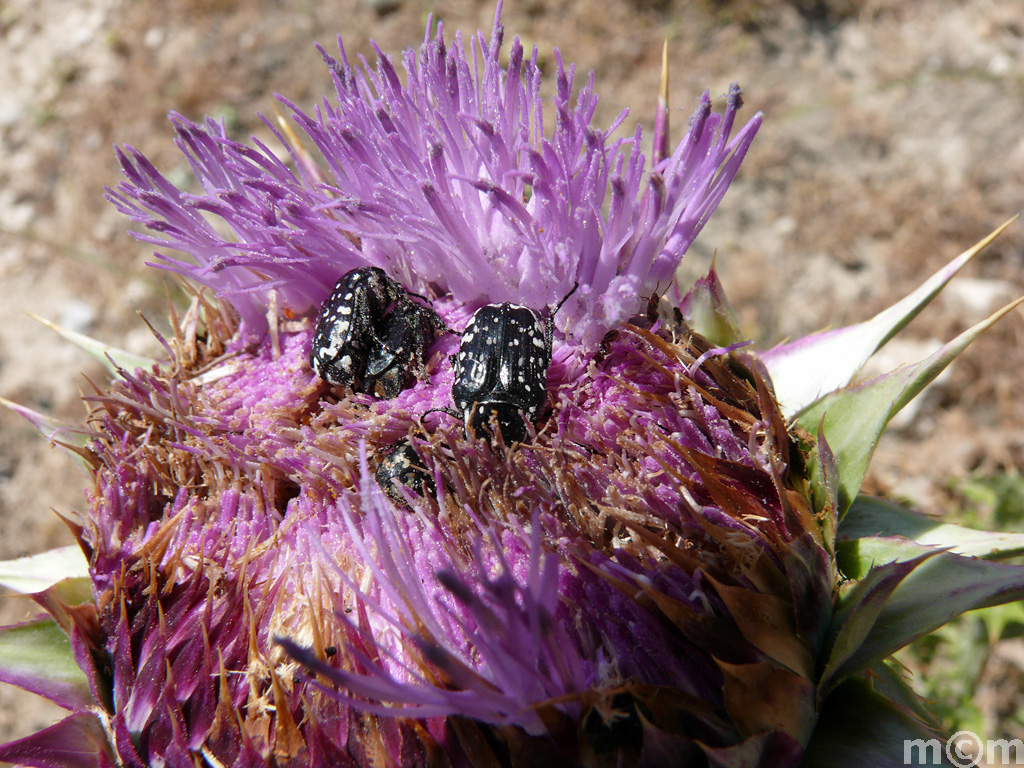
285	572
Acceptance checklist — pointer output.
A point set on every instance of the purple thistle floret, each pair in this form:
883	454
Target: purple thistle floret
584	596
452	184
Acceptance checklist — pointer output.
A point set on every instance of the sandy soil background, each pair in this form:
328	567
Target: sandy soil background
892	142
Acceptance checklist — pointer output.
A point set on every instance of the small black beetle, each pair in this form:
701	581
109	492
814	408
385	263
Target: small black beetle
403	467
346	327
400	355
371	335
501	368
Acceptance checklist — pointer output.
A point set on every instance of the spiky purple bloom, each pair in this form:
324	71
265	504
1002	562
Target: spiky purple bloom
449	182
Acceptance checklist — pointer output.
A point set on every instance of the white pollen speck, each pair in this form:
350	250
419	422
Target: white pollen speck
346	363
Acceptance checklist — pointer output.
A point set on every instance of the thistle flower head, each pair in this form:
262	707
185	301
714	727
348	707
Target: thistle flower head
507	595
289	572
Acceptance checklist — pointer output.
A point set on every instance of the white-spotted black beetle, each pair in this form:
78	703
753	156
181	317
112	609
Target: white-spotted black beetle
399	358
500	370
370	334
400	468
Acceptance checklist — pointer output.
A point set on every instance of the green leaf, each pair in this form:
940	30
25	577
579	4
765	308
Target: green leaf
37	656
890	679
804	370
110	356
917	590
869	518
954	657
860	728
854	418
77	741
825	491
857	609
34	573
72	438
857	557
707	311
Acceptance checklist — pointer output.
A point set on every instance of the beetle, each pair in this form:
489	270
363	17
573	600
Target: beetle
402	467
500	370
371	335
346	326
399	356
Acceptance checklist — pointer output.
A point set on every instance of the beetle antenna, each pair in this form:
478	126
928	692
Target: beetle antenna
549	323
565	298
